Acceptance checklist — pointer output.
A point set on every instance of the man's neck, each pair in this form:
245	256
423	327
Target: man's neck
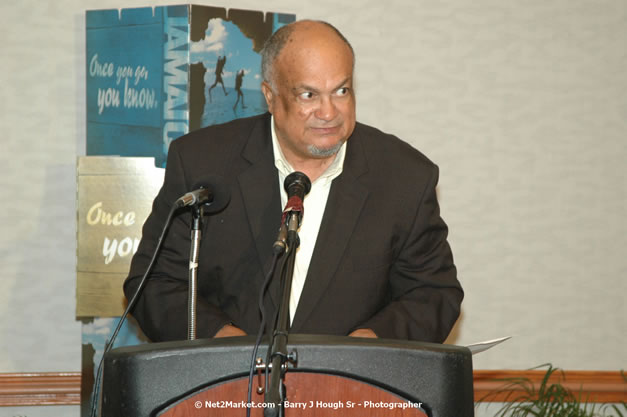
312	167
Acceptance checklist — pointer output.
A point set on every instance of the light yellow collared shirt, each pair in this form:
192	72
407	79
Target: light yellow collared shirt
314	205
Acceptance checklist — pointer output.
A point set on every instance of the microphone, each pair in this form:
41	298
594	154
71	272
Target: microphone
210	190
199	196
297	185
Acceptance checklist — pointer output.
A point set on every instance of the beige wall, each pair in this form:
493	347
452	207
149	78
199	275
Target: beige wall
523	104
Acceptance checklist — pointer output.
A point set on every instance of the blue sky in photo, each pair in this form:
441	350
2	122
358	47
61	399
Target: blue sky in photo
223	38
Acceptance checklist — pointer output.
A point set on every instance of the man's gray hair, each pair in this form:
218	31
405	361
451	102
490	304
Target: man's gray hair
274	45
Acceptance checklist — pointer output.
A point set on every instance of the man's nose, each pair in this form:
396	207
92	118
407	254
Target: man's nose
327	110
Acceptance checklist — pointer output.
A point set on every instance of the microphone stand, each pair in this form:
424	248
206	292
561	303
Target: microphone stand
278	358
196	233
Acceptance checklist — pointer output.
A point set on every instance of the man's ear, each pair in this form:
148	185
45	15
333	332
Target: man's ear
268	94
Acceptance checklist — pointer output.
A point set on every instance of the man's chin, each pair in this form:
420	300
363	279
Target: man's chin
326	152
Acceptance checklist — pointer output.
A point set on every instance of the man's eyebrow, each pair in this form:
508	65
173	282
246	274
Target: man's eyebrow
306	87
344	82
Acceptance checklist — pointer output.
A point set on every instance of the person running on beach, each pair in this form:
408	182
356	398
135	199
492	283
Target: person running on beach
238	88
219	71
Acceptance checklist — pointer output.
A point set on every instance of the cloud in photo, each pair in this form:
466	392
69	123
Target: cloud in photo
213	44
101	326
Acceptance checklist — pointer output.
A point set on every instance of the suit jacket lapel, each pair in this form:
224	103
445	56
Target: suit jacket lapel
346	199
259	186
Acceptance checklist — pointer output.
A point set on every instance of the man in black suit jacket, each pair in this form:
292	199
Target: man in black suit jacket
381	265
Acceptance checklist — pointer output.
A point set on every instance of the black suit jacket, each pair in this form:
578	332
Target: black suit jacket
381	260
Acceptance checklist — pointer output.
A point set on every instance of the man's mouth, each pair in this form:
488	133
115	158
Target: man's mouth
326	130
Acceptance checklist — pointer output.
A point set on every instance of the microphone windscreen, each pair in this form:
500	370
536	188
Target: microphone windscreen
220	194
297	183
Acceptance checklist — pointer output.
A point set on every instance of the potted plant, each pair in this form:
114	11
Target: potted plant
523	398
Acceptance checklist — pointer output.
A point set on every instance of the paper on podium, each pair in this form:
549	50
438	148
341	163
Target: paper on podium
481	346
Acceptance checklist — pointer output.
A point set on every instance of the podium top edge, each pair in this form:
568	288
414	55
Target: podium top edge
294	340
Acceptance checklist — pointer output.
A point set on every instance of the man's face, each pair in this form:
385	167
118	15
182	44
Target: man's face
313	102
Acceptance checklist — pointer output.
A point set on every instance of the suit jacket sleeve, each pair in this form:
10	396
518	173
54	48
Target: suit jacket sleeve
424	290
162	307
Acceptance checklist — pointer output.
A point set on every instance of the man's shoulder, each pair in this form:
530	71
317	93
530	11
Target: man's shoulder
385	150
233	133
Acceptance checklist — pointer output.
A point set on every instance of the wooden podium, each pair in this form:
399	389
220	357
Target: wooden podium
334	376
